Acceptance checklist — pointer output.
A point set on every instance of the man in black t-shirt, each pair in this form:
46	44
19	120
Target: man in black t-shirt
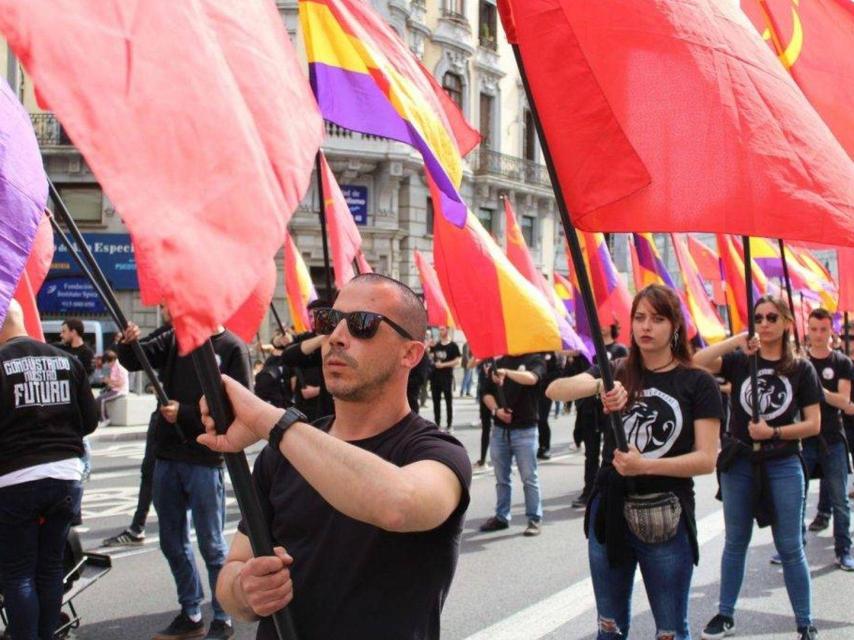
188	477
46	407
512	396
445	355
828	450
71	340
367	506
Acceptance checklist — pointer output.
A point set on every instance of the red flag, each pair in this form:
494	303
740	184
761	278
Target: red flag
344	237
814	40
676	114
845	267
438	312
246	322
518	253
709	265
35	271
188	113
299	289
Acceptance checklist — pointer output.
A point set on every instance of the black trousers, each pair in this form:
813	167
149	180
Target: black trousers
545	431
441	387
485	427
146	481
592	438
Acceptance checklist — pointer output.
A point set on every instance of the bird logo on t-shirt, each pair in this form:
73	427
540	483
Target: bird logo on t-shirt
653	423
775	395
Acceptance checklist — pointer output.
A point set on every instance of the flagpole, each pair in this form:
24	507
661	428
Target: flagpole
277	317
847	336
322	198
577	259
204	361
93	272
789	292
803	328
751	331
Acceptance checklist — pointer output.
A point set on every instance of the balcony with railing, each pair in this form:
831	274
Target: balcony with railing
49	132
492	163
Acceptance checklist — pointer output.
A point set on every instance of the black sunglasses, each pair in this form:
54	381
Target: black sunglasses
770	317
360	324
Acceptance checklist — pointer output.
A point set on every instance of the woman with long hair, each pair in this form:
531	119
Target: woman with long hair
641	511
761	473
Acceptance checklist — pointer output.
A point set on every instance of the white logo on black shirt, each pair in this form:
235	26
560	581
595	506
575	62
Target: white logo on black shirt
827	373
775	395
41	386
653	423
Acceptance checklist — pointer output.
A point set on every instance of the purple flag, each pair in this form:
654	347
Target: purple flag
23	192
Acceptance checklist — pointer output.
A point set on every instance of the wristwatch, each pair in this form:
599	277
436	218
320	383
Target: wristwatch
290	417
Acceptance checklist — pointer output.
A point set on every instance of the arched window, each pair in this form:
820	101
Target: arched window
453	86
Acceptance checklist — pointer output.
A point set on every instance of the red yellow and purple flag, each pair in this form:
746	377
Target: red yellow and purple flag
438	312
700	307
299	289
613	300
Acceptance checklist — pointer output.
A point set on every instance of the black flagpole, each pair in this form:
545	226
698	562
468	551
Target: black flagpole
751	330
847	337
327	269
93	272
577	258
277	317
204	361
789	292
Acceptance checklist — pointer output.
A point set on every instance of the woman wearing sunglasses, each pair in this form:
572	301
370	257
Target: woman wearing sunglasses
641	511
761	473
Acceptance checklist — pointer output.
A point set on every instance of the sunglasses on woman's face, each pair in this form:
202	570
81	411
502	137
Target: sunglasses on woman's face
361	324
770	317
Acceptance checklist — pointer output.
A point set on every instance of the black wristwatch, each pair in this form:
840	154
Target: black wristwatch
290	417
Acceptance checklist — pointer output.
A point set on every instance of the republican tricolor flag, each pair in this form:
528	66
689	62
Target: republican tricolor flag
299	289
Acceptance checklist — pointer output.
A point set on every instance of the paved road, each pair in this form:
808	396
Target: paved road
507	586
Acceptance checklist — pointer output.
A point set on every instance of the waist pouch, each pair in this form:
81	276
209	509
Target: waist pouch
654	518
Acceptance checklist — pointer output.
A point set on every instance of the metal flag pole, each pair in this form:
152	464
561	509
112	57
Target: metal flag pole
751	330
327	268
789	291
277	317
578	263
847	336
93	272
204	361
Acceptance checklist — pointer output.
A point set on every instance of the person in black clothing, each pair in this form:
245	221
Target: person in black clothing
826	455
591	422
188	477
446	356
575	363
367	506
46	407
483	368
761	470
641	511
71	340
545	406
134	535
418	376
273	383
512	398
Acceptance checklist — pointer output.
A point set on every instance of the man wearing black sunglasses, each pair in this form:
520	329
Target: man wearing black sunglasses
369	504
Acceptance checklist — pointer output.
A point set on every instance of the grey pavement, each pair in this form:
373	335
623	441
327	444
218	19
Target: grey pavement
506	587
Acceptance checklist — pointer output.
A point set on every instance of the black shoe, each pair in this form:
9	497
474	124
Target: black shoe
220	630
580	502
533	529
126	538
719	627
181	628
543	454
494	524
807	633
820	523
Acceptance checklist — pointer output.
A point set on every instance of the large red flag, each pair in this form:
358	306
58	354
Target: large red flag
673	115
438	312
518	253
709	265
198	124
814	40
344	238
845	266
248	318
35	272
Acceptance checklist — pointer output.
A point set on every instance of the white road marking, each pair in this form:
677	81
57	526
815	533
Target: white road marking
545	616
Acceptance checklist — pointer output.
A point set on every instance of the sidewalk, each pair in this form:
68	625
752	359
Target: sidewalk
139	408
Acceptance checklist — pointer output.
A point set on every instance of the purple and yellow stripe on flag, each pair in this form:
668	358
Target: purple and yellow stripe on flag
299	289
613	301
564	290
700	306
366	79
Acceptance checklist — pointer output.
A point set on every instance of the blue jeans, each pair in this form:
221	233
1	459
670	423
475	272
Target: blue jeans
180	487
666	569
786	479
468	378
522	443
834	466
31	553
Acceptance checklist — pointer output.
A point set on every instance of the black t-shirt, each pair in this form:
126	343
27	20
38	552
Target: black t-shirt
780	397
83	353
419	374
831	370
352	579
443	353
46	405
273	382
661	422
523	400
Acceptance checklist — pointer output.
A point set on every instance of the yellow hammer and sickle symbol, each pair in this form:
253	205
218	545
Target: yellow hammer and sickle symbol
790	54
